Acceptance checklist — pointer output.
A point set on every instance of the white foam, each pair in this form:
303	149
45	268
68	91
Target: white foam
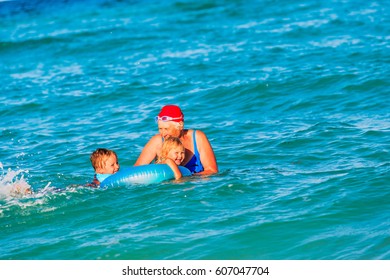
13	183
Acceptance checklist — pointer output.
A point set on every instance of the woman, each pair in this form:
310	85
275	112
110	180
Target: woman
199	155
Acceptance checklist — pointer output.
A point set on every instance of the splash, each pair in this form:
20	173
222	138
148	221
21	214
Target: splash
13	183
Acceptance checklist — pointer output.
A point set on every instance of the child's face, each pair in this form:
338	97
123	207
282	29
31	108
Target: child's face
177	155
110	166
21	189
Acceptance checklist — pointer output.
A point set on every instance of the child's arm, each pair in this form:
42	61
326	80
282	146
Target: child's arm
174	167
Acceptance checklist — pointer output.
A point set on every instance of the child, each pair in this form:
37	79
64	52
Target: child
172	154
21	189
105	162
12	184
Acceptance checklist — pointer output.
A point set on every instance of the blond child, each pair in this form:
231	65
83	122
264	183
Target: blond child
105	163
172	154
21	189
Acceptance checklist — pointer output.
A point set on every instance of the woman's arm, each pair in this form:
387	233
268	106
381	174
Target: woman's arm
207	156
174	167
149	152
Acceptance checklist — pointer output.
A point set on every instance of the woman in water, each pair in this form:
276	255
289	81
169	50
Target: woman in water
199	155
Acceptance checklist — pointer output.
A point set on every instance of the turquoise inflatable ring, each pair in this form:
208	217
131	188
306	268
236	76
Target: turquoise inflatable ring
142	174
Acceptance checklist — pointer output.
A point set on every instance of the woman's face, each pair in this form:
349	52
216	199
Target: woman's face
167	129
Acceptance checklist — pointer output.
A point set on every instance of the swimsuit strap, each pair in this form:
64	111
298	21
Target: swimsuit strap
195	147
194	164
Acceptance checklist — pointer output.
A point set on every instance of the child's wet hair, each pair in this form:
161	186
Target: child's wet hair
99	156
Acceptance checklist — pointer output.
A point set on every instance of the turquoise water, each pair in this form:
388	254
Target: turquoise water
293	96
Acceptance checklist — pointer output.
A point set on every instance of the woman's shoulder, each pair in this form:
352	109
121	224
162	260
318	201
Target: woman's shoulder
198	133
191	132
156	138
155	142
200	136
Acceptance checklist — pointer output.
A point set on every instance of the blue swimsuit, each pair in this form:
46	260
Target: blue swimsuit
194	164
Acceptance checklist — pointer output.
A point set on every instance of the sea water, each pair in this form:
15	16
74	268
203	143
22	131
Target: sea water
293	96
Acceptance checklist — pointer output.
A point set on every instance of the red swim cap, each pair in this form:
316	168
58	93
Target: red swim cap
171	113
